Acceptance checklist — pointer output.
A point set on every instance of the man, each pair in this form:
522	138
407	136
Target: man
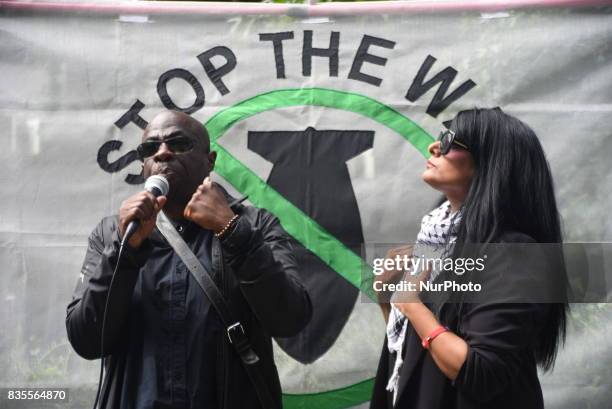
165	345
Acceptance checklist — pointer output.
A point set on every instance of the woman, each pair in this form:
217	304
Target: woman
491	168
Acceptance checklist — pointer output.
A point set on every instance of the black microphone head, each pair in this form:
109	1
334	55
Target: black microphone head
158	185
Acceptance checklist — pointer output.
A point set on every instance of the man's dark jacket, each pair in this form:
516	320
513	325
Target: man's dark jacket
253	266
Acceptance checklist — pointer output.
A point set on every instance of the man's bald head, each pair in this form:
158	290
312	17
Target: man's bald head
172	119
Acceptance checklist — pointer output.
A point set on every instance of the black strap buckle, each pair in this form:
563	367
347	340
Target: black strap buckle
234	327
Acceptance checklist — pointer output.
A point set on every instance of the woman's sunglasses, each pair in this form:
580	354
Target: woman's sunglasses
177	144
447	139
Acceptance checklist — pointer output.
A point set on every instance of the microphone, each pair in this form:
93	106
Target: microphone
157	185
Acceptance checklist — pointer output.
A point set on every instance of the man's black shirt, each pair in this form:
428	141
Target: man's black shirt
174	331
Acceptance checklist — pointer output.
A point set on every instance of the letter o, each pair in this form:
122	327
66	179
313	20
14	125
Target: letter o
162	90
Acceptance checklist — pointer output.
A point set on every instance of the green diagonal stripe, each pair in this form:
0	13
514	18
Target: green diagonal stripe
303	228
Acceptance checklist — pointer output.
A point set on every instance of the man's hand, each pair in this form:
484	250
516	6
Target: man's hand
208	207
142	206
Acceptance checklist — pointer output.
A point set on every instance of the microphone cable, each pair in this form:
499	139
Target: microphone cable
158	186
102	358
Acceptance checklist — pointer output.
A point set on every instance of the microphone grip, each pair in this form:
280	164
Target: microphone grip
134	224
129	232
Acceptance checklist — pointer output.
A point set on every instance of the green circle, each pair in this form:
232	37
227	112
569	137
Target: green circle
238	175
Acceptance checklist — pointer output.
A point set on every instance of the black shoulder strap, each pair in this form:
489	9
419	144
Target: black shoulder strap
234	329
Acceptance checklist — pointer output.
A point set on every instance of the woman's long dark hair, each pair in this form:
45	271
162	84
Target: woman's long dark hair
512	188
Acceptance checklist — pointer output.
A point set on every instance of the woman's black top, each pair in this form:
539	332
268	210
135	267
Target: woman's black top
500	370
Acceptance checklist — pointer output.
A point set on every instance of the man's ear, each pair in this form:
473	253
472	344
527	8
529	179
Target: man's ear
212	157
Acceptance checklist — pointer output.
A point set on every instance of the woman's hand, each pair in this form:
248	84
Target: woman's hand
390	276
402	299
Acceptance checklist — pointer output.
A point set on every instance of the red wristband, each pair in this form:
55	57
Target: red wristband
426	341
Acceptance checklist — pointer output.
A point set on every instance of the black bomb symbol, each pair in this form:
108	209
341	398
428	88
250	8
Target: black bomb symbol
310	171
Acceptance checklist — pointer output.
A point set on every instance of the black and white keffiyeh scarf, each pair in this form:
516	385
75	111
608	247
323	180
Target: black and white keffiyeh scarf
435	240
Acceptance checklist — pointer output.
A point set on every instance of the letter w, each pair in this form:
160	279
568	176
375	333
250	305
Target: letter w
439	102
